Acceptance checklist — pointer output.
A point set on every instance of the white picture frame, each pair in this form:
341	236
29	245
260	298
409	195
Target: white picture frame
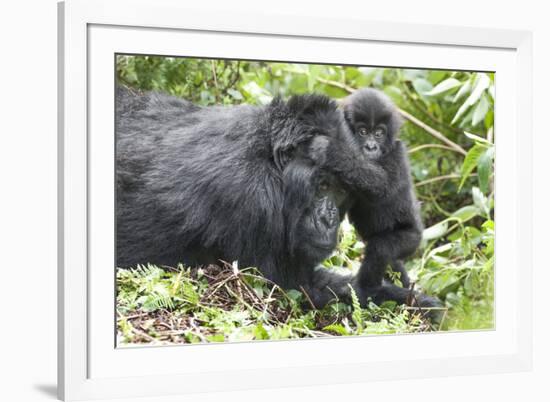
91	32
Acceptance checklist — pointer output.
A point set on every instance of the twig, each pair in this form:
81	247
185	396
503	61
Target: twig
236	78
266	305
334	294
420	107
336	84
132	317
439	178
221	284
213	66
198	332
433	132
308	298
439	146
143	334
443	319
165	325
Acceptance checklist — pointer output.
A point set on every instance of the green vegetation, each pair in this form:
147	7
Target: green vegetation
449	133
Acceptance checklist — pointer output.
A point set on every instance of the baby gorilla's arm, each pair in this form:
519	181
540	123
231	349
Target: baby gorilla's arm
350	166
390	225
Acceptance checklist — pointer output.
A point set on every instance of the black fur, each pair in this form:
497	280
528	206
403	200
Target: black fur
199	184
391	224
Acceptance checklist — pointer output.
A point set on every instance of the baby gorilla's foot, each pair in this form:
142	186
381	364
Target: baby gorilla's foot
428	306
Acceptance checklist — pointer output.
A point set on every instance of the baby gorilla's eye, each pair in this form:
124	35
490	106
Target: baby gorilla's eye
363	131
379	132
323	186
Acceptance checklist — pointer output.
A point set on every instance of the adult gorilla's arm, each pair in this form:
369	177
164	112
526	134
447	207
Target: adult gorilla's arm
328	284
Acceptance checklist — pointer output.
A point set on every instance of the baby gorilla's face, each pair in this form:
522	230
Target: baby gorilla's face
373	138
373	119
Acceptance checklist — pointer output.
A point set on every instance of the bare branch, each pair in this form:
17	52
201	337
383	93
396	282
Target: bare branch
439	178
424	146
433	132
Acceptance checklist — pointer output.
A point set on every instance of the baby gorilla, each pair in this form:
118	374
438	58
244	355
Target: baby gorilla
390	224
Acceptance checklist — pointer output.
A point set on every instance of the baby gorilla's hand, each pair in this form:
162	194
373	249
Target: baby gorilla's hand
318	149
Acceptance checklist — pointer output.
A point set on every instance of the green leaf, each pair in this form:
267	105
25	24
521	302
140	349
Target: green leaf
488	225
235	94
216	338
470	162
411	74
389	304
461	110
468	283
482	202
481	84
435	76
337	328
189	293
435	231
466	213
394	93
356	315
477	138
444	86
260	332
480	111
484	168
258	93
421	85
294	295
313	73
464	89
489	119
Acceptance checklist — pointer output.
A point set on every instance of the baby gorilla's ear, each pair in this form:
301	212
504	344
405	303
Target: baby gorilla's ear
346	107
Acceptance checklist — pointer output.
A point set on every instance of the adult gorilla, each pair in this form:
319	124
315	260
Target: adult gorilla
202	184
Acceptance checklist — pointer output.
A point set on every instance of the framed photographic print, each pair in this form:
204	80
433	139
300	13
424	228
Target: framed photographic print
250	202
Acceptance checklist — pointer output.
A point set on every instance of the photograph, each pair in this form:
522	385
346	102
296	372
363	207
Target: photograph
274	200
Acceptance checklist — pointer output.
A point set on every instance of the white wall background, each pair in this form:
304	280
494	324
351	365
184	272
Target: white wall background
28	199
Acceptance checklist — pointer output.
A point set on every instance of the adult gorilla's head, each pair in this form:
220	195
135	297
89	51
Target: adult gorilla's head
314	205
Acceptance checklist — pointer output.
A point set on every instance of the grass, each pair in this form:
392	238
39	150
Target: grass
224	304
181	305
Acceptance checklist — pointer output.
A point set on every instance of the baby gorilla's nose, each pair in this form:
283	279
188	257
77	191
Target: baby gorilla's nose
371	146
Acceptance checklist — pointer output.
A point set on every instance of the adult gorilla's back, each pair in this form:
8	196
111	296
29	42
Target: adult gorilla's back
198	184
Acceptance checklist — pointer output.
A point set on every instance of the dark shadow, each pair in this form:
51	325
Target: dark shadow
47	389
